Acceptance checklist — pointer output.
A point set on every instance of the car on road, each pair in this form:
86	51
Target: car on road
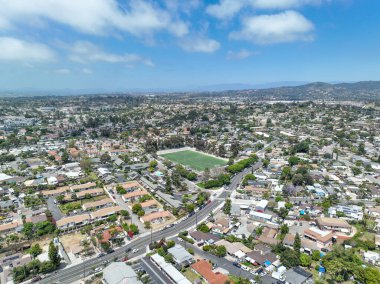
105	262
135	250
98	269
236	264
128	250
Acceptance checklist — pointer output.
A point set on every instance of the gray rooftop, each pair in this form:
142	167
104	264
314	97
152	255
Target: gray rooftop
119	272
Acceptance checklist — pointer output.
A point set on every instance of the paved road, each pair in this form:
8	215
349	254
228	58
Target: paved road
77	272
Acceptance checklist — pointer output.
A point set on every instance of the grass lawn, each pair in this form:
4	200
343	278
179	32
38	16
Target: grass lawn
75	205
194	160
191	275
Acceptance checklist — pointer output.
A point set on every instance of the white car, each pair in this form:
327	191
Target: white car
135	250
98	269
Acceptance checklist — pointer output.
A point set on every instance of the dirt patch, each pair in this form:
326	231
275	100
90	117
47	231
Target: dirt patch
71	241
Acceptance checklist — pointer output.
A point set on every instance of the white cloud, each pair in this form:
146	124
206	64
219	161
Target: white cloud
287	26
228	8
13	49
98	17
85	51
200	44
87	71
241	54
63	71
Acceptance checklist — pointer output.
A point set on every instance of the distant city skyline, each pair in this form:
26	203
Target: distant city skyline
185	45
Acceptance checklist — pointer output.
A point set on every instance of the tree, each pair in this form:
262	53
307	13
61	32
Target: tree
136	208
168	185
293	160
235	149
190	207
316	255
203	228
284	229
222	150
28	230
283	212
65	157
297	179
147	225
169	258
105	158
286	173
221	251
85	164
53	254
170	244
297	243
361	149
60	198
134	229
35	250
289	258
305	260
153	164
124	213
259	230
227	207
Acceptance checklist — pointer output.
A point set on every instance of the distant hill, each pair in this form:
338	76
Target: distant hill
361	91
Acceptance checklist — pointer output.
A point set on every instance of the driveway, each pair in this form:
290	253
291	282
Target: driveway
53	208
119	201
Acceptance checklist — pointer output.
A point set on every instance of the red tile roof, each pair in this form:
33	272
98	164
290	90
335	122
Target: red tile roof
204	268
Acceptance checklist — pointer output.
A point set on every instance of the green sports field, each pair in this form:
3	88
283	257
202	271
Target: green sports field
194	160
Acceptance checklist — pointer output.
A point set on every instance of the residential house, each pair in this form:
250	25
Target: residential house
72	223
97	204
181	256
104	213
322	238
169	270
334	224
156	217
204	268
201	237
132	196
124	274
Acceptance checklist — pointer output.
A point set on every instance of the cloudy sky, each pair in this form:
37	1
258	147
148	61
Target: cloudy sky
147	44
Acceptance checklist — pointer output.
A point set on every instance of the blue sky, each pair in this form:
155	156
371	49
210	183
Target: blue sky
185	44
